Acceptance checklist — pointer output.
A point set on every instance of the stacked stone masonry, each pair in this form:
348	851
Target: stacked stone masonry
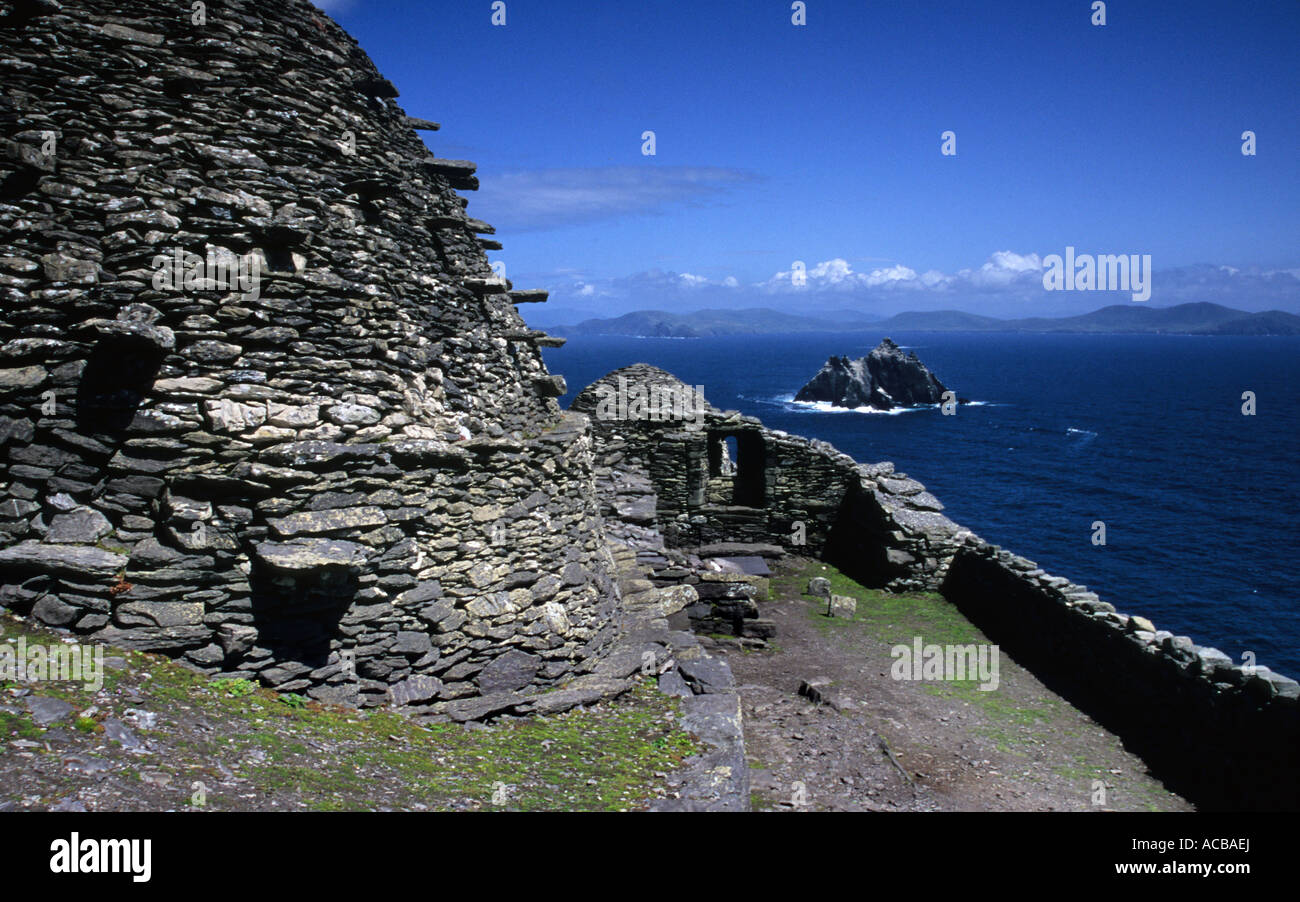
800	495
1225	734
349	477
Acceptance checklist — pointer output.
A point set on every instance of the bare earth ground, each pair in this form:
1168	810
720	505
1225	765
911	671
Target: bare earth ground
1018	748
159	737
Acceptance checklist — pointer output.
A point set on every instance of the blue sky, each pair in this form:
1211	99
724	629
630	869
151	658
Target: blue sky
821	143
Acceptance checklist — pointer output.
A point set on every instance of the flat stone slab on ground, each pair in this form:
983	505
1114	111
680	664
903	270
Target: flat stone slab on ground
705	673
46	711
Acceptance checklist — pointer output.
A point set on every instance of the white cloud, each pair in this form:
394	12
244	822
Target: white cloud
549	198
1009	260
891	275
838	274
1006	283
1001	268
832	272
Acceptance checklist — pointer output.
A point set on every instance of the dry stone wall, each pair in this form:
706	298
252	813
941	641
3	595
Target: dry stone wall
800	494
323	449
1222	733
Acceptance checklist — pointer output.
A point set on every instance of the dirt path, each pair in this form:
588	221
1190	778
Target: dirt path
951	746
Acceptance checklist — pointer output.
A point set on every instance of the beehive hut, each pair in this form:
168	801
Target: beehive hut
263	403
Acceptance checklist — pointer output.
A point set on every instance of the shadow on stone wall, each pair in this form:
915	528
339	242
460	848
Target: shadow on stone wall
1223	742
118	377
297	617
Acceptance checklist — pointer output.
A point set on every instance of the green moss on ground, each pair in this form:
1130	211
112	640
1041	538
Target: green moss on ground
881	617
611	756
885	619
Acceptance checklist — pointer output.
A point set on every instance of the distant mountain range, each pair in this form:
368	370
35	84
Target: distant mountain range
702	323
1182	319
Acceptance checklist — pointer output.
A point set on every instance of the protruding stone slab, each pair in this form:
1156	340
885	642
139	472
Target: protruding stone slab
62	560
317	522
305	555
422	125
449	222
460	173
158	337
529	296
450	167
481	285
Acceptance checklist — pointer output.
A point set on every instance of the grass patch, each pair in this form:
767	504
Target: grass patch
301	753
884	620
881	617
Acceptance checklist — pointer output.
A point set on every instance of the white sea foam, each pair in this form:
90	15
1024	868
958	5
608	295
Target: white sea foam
827	407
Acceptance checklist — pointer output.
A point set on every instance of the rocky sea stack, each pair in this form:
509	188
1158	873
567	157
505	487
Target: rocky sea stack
883	380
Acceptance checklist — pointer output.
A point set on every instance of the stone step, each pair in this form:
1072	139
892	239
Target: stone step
422	125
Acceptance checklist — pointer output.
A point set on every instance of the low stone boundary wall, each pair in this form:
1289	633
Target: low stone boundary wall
1224	735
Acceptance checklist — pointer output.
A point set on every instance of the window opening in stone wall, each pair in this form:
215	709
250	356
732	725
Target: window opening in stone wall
739	457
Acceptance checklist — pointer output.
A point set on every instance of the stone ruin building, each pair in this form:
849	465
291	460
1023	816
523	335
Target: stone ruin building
266	408
353	478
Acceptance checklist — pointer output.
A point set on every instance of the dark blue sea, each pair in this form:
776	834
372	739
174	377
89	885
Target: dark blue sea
1143	432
